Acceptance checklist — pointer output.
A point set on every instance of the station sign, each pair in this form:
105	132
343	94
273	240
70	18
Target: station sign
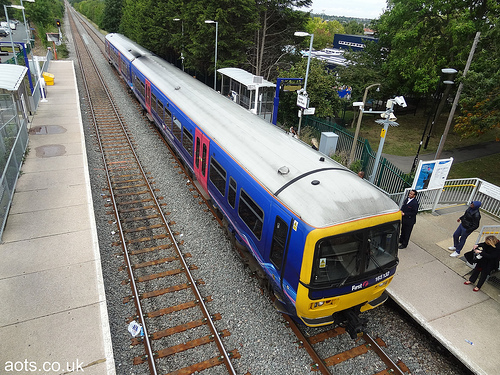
302	101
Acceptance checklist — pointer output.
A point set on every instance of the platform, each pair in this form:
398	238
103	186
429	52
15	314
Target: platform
53	315
429	285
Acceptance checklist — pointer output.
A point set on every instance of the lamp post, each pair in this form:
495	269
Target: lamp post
304	90
457	97
182	31
26	29
215	64
448	83
8	25
361	111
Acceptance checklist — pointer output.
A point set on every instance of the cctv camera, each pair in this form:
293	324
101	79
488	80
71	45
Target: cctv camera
400	100
358	104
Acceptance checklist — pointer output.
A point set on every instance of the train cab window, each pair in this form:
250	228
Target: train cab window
177	128
204	153
351	256
187	141
231	192
218	176
251	214
153	102
279	241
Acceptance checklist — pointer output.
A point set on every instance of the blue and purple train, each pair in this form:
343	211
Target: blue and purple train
326	239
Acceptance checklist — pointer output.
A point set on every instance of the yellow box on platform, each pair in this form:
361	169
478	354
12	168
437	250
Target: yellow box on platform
48	78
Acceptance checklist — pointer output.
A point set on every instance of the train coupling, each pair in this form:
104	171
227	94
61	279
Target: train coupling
351	321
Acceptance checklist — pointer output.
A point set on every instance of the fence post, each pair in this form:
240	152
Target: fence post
473	193
436	200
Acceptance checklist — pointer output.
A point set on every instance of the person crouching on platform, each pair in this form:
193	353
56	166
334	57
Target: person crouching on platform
469	222
487	255
409	211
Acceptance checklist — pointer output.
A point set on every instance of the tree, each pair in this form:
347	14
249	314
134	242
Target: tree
112	15
277	22
323	31
480	99
418	38
321	88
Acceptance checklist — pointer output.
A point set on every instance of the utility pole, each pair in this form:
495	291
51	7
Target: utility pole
457	97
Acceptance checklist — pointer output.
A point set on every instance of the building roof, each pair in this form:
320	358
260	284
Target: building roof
245	78
11	76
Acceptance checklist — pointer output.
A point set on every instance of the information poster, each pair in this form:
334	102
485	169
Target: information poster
432	174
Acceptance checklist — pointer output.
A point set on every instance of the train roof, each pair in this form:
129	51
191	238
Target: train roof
129	49
319	190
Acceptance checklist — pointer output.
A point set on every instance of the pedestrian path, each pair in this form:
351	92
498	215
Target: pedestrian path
429	285
53	315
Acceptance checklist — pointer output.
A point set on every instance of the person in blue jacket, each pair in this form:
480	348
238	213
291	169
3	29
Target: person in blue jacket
409	211
469	222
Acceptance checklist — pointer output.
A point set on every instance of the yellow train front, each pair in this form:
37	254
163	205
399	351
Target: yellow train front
345	271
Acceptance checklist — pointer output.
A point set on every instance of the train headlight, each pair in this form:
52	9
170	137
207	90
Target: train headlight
324	304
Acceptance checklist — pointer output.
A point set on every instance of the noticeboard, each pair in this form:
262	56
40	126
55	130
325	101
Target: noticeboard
432	174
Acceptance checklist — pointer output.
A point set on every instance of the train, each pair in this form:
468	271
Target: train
326	239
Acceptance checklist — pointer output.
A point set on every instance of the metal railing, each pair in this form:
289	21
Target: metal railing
457	191
13	141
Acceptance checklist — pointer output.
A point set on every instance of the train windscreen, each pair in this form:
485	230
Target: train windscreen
353	256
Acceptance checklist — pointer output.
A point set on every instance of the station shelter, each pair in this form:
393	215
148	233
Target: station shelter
14	109
251	92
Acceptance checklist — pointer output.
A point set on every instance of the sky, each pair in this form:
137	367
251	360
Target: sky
349	8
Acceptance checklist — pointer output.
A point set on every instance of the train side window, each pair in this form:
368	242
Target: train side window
204	160
218	176
231	193
160	109
142	88
168	118
177	129
187	141
251	214
278	243
197	156
153	102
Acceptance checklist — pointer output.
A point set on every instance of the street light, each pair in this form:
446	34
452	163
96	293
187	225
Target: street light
8	25
304	89
182	30
448	71
215	64
388	119
361	111
28	32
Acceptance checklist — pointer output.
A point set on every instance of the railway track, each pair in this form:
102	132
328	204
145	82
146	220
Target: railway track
156	267
325	361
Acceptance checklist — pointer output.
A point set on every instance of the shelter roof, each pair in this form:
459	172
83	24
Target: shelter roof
247	79
11	76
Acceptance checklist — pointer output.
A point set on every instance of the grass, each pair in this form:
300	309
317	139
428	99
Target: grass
404	140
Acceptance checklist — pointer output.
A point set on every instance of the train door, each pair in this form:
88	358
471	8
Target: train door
200	164
280	242
148	95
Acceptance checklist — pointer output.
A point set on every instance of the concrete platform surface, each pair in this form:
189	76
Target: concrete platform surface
53	311
429	285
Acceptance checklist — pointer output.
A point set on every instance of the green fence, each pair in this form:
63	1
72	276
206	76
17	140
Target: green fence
389	178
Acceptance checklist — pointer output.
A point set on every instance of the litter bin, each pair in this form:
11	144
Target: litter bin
48	78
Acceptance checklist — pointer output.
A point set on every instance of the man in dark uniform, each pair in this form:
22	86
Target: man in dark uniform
409	210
